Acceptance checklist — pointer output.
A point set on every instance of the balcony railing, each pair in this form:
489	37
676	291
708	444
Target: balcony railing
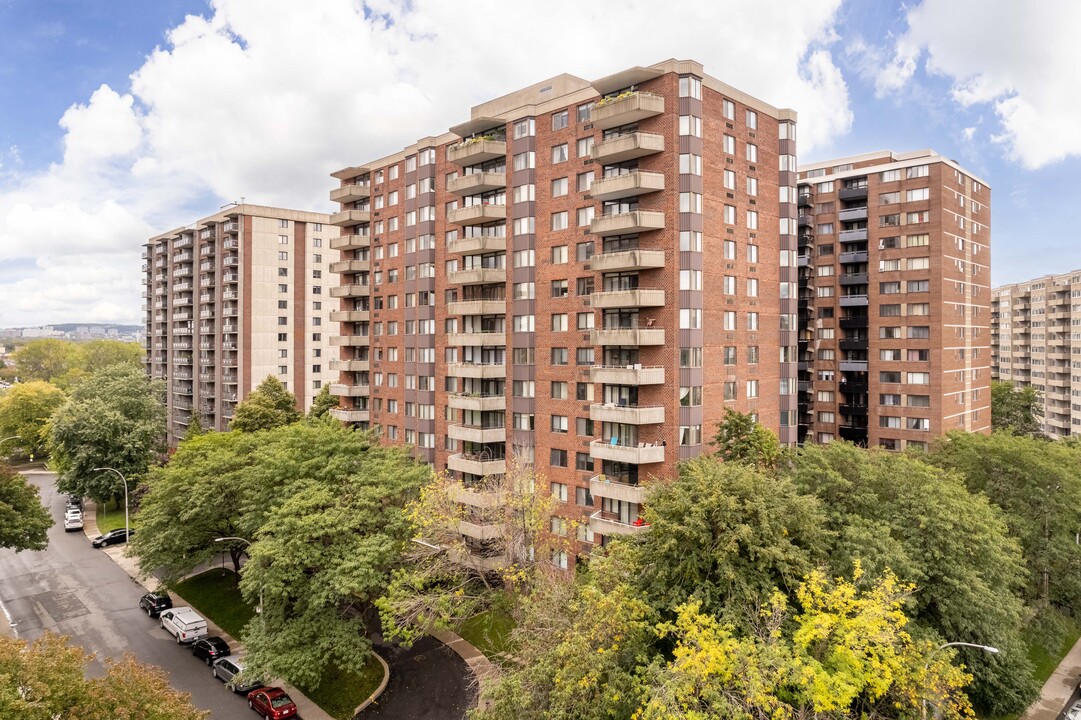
627	375
626	108
606	523
627	147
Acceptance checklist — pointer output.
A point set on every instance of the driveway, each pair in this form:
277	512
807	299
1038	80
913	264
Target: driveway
427	682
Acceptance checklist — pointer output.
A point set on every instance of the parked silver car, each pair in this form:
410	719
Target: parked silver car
227	669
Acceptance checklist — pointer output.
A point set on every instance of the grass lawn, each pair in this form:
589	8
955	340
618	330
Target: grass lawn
110	517
489	631
340	692
217	596
1044	662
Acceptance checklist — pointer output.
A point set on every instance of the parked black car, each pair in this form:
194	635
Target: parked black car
75	501
154	603
113	537
210	649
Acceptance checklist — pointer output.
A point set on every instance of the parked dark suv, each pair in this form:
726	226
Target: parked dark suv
210	649
154	603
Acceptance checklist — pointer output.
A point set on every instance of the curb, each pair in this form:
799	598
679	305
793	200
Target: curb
379	690
484	670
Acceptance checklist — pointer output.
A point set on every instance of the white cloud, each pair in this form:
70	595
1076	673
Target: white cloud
264	98
1020	59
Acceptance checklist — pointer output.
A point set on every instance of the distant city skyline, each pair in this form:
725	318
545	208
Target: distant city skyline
119	121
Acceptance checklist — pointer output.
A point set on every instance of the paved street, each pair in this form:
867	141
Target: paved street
74	590
427	682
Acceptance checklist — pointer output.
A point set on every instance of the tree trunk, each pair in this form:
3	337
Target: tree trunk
234	555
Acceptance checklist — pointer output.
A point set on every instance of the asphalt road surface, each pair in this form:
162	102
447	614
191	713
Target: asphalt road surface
428	681
72	589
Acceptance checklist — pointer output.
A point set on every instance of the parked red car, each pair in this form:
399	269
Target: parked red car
272	703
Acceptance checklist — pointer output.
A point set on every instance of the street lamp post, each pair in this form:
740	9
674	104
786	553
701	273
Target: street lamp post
12	437
986	648
124	482
262	616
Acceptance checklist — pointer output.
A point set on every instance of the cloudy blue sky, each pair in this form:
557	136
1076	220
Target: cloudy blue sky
125	118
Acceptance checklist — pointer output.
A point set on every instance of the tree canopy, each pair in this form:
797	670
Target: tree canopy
1016	410
739	438
68	362
322	404
25	410
117	420
46	679
24	521
268	406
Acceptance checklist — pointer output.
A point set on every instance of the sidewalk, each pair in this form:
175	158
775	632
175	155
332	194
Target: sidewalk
306	709
1059	688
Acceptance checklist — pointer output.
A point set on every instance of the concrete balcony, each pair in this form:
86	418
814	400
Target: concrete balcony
477	434
477	214
349	217
351	266
474	498
350	193
852	301
351	415
627	336
476	464
627	147
858	235
350	340
476	370
627	109
476	183
477	307
601	486
627	415
852	214
479	562
606	524
476	150
476	245
350	242
629	184
350	366
477	276
622	260
621	375
639	297
481	532
350	316
640	454
350	291
479	339
637	221
482	403
342	390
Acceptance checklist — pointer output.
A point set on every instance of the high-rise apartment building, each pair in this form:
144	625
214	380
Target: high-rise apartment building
1032	343
584	273
894	299
233	298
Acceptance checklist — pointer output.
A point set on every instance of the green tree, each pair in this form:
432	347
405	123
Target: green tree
268	406
740	439
895	512
195	428
322	404
209	489
46	359
24	521
325	554
1037	484
117	420
46	679
25	410
1016	410
726	534
100	354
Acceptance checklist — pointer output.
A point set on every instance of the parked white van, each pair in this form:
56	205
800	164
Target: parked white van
184	624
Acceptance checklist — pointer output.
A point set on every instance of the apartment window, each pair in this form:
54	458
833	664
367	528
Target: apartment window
918	194
889	355
524	226
752	152
752	120
824	270
919	309
559	153
527	193
729	355
690	202
917	172
524	258
584	146
559	220
559	490
752	186
524	323
690	435
918	355
559	390
825	229
559	356
729	247
559	322
891	422
690	318
752	219
585	181
728	109
585	112
690	125
752	388
560	120
584	286
825	417
585	321
892	310
919	263
889	288
283	288
691	87
730	390
917	218
690	164
918	378
889	265
918	400
690	396
919	423
584	356
921	240
559	425
559	288
524	161
919	332
889	376
283	255
559	255
583	251
525	128
752	354
890	175
729	320
728	144
559	187
890	198
730	179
